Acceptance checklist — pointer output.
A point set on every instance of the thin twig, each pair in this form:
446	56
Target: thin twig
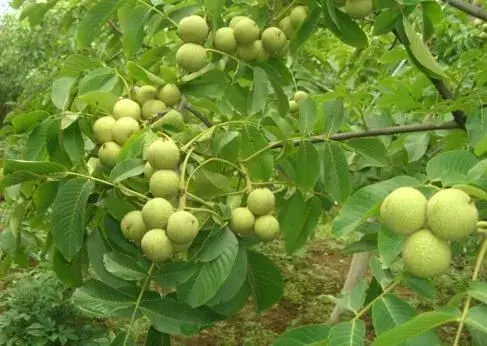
197	114
473	10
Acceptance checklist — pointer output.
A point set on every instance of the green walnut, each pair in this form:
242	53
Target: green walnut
403	211
281	53
359	9
191	57
242	221
173	119
426	255
225	41
153	108
287	27
108	154
156	212
193	29
298	15
148	171
248	52
163	154
261	201
246	31
182	227
145	93
156	246
123	129
177	248
235	20
266	227
293	106
262	54
126	108
133	226
164	183
102	129
451	214
170	94
300	95
273	39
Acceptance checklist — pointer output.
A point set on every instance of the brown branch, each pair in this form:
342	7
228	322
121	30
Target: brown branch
384	131
473	10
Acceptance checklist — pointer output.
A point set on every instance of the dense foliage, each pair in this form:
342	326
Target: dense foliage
179	136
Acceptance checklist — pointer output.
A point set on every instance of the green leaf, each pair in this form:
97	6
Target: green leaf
265	281
127	169
477	337
174	317
476	318
306	29
422	287
310	334
258	96
26	121
307	116
175	273
97	299
450	163
420	52
69	216
207	183
476	126
76	64
334	115
416	145
103	100
35	148
214	7
298	219
372	150
365	202
279	74
141	74
234	282
73	142
40	168
216	245
117	206
352	300
386	21
70	273
156	338
134	146
348	31
261	167
350	333
133	18
471	190
96	250
125	267
19	171
227	145
390	245
478	290
208	278
389	312
45	194
334	171
307	166
382	277
61	92
91	24
417	326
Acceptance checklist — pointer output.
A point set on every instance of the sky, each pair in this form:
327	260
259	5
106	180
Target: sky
4	6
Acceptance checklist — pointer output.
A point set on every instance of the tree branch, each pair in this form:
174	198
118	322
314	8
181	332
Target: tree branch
197	114
379	132
473	10
446	94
